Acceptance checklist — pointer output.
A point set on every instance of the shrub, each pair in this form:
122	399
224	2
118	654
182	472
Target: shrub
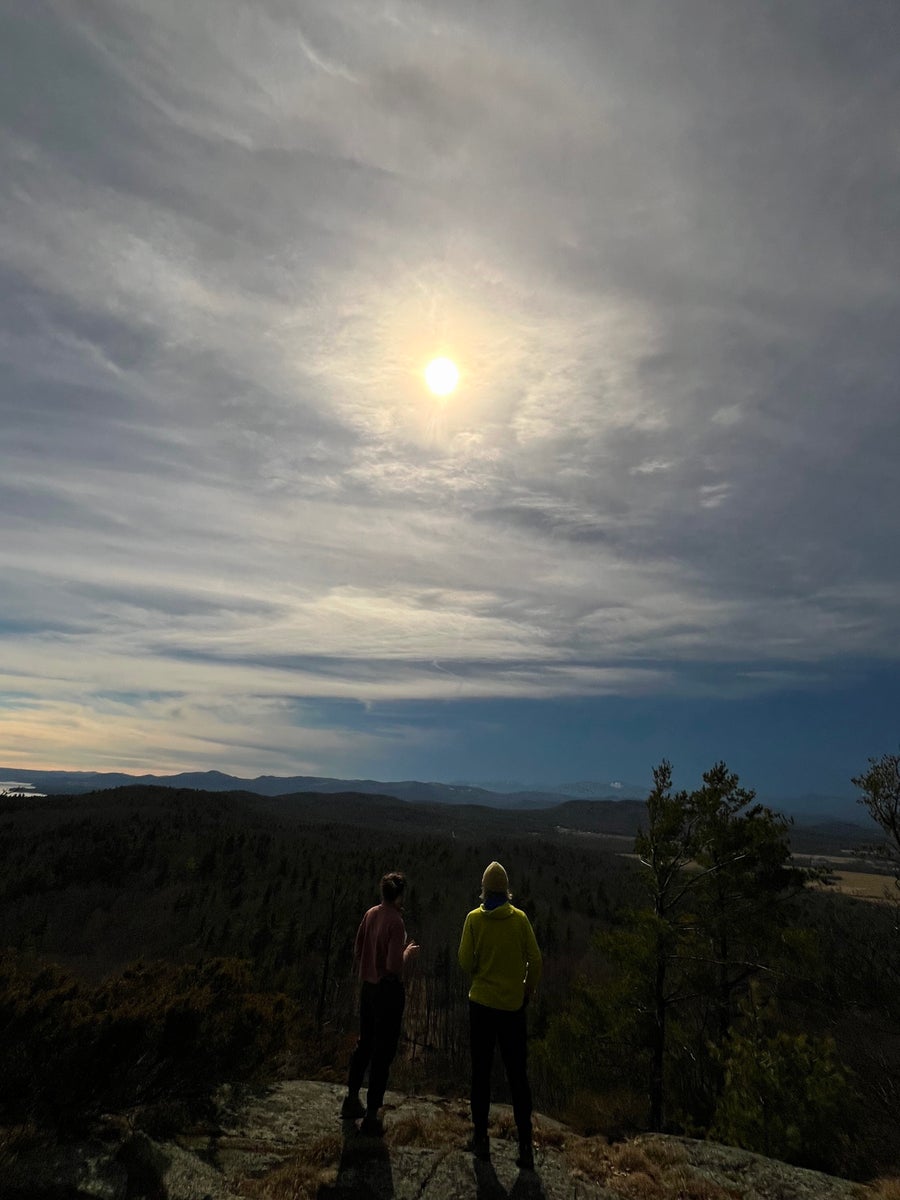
154	1033
785	1094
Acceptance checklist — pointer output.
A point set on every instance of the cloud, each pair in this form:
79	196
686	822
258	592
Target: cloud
663	250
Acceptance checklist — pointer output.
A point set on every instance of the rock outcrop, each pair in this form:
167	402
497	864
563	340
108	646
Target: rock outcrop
287	1143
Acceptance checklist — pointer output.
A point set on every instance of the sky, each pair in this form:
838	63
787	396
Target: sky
659	516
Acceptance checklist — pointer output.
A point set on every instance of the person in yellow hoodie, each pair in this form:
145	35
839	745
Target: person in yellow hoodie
498	949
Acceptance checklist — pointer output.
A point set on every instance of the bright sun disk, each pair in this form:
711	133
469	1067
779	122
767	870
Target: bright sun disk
442	376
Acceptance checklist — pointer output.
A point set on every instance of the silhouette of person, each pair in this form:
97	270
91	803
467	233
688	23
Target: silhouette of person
498	949
382	951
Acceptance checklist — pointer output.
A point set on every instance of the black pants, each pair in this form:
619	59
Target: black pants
487	1028
380	1016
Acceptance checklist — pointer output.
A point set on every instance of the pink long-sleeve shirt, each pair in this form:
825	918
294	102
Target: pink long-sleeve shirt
381	944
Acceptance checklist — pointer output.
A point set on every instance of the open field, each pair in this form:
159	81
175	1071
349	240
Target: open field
864	885
817	860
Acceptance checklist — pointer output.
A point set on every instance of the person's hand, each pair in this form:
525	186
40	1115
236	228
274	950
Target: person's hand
411	953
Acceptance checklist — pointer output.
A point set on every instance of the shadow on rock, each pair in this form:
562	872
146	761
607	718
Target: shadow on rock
528	1185
364	1171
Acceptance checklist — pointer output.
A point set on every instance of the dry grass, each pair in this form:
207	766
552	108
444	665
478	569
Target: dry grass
636	1186
595	1159
301	1178
451	1130
293	1181
863	885
547	1139
886	1189
683	1184
503	1126
664	1154
435	1132
638	1171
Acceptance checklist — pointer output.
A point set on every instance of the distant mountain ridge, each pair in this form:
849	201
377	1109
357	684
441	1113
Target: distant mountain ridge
503	794
417	791
582	789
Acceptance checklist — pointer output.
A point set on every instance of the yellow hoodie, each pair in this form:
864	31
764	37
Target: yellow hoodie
499	950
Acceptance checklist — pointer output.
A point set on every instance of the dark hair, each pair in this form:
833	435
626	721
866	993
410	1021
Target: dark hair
393	885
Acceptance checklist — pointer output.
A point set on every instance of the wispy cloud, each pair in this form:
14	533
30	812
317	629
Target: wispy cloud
664	252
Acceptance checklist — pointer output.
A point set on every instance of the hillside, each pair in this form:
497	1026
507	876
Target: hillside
428	807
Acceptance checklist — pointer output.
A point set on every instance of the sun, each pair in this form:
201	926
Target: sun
442	376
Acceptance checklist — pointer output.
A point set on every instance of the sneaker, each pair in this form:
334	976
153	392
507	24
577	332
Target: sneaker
370	1126
525	1160
352	1109
480	1147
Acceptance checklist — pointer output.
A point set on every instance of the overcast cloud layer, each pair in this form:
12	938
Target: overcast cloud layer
661	241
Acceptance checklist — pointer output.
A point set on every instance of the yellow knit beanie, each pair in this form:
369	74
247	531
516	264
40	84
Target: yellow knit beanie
495	879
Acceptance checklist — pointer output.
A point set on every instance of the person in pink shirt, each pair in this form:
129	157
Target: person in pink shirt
382	951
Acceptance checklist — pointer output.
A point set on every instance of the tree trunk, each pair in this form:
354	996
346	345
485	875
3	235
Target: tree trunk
657	1070
326	961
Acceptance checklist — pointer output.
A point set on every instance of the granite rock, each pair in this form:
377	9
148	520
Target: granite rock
288	1141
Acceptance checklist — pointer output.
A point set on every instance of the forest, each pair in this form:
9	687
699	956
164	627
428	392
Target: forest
699	977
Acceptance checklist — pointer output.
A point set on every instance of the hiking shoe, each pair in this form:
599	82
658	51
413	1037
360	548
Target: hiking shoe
352	1109
370	1126
480	1147
525	1161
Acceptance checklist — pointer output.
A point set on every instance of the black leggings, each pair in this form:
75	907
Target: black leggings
380	1016
487	1028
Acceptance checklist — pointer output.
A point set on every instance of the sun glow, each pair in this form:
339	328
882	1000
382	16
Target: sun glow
442	376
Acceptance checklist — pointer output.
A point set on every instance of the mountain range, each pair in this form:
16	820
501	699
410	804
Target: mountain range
504	794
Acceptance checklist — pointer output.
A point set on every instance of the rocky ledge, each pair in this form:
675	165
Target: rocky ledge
287	1143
